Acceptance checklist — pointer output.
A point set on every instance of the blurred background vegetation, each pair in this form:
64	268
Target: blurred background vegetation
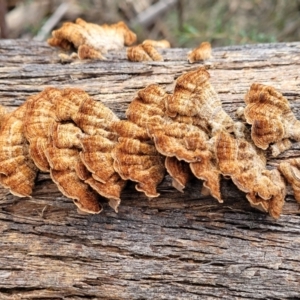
184	23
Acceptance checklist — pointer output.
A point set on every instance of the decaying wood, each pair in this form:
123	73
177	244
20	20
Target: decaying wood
178	246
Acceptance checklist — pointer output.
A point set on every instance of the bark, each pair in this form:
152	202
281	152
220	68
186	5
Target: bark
178	246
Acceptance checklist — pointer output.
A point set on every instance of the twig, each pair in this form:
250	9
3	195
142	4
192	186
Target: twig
51	22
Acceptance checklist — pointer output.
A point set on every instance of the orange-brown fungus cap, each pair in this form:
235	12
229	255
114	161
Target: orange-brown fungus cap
147	51
195	110
157	44
143	53
71	186
98	139
39	118
17	170
194	96
95	38
202	52
271	118
291	172
180	172
135	156
246	166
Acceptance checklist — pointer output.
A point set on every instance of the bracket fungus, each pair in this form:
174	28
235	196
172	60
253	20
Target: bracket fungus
92	40
17	169
246	166
202	52
143	53
273	122
66	135
188	143
180	172
90	153
135	156
69	173
147	51
194	114
290	169
40	115
95	120
195	97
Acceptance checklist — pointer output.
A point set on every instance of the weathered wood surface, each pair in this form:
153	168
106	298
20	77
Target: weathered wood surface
178	246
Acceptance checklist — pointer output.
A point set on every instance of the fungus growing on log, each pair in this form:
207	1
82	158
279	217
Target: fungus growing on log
202	52
135	156
17	169
143	53
291	172
273	122
39	118
246	166
147	51
90	152
92	40
96	121
195	115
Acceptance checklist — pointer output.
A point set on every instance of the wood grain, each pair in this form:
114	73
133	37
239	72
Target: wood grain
178	246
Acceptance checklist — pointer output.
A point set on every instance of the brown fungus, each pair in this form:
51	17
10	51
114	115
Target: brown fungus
135	156
202	52
180	172
17	169
96	121
273	122
194	96
157	44
39	118
246	166
95	39
143	53
290	169
70	139
195	116
66	135
147	51
69	173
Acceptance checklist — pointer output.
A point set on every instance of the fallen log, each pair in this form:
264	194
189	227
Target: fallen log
176	246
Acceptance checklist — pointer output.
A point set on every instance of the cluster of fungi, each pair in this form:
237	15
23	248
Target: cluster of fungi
89	152
92	41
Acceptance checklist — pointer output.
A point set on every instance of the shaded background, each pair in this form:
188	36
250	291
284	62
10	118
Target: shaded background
184	23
